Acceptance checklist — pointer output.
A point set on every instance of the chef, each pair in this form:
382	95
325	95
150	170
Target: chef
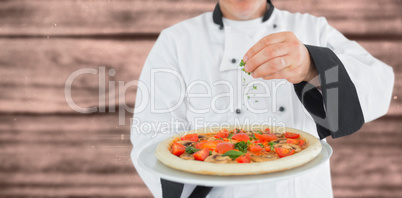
299	72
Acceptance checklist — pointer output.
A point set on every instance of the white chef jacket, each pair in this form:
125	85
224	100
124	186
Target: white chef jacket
198	50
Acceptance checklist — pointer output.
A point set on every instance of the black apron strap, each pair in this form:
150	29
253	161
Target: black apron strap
200	192
172	189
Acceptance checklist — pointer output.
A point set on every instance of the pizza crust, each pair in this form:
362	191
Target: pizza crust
166	157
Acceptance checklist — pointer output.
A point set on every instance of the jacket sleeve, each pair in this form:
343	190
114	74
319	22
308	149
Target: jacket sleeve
355	87
159	108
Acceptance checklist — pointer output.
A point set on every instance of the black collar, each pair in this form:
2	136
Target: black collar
217	14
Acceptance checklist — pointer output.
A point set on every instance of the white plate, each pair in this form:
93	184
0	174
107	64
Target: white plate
148	161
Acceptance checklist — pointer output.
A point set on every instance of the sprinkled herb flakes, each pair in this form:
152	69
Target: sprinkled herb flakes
242	64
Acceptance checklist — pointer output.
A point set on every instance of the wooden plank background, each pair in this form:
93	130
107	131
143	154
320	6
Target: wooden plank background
49	150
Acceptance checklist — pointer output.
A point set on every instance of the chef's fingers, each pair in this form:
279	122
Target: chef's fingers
272	66
295	75
292	75
281	74
298	55
268	40
266	54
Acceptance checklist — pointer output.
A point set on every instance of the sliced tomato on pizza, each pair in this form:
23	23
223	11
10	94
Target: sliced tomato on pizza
265	137
283	152
255	148
246	158
178	149
241	137
291	135
190	137
224	133
224	147
211	145
201	155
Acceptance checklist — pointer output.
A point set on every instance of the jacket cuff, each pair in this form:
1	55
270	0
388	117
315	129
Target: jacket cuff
337	111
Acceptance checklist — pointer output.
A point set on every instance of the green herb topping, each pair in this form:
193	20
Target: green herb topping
272	145
253	136
241	146
233	154
191	150
242	64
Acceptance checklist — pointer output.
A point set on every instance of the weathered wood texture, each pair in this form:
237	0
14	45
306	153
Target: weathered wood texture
49	150
75	17
66	156
368	163
34	72
88	156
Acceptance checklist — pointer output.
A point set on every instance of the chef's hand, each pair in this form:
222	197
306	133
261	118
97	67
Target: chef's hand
280	56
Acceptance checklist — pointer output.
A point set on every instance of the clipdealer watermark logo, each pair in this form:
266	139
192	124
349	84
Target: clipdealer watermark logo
165	93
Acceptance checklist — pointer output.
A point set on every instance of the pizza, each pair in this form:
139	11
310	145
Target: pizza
238	150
